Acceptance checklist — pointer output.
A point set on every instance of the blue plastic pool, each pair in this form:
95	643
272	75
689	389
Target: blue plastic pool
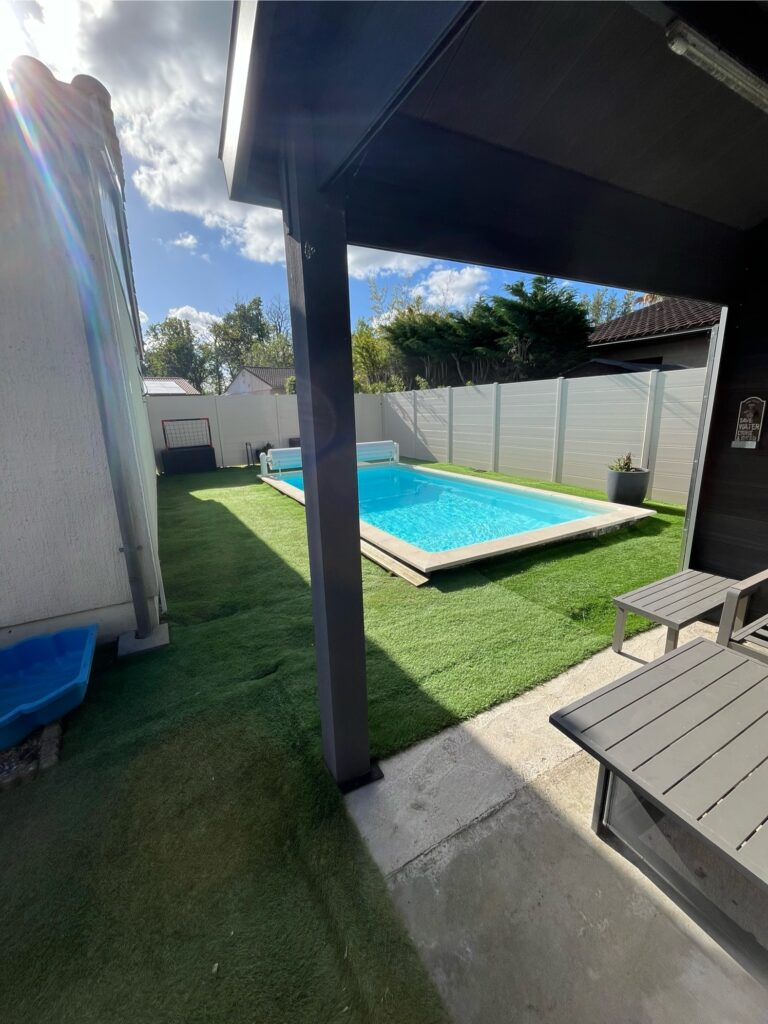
42	679
441	512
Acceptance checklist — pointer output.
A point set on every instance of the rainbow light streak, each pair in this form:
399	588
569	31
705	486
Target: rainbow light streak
37	137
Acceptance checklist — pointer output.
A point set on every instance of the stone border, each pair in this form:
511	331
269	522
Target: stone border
608	517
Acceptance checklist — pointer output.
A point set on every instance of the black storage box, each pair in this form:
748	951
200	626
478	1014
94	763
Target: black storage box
189	460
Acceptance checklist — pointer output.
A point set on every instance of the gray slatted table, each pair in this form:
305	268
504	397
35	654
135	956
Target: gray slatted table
674	602
689	732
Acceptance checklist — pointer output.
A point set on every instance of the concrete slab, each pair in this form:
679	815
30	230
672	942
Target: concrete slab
438	787
129	643
527	916
518	910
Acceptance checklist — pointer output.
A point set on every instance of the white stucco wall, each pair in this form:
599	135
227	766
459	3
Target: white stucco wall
60	545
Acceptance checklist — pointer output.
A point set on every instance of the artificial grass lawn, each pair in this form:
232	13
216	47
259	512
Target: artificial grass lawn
191	822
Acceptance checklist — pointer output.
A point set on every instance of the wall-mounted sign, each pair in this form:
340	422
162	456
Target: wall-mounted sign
749	425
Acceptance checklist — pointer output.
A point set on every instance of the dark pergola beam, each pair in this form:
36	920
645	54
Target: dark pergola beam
365	83
432	192
318	287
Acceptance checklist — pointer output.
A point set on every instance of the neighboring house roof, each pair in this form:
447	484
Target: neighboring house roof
169	386
274	376
670	316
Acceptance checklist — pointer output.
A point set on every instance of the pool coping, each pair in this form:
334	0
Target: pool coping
431	561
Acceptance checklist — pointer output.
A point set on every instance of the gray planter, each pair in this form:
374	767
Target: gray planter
628	488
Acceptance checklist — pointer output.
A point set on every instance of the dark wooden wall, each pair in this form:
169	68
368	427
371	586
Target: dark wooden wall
731	533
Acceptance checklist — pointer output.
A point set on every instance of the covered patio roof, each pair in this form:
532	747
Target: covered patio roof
558	138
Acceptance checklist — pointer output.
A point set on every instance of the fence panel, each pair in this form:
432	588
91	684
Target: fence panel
654	415
473	426
528	428
368	418
398	422
678	408
603	417
432	424
245	418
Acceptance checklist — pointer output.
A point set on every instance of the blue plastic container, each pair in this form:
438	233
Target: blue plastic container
42	679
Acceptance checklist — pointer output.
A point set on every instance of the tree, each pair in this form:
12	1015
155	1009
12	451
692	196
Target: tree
544	328
174	350
237	338
605	304
374	360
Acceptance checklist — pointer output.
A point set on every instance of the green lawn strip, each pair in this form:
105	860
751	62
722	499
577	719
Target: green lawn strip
191	821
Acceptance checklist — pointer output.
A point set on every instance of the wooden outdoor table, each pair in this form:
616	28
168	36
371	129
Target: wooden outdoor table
689	733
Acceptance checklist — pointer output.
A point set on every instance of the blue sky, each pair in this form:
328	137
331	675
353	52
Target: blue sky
193	250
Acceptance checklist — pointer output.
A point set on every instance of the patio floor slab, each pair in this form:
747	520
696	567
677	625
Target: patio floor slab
519	911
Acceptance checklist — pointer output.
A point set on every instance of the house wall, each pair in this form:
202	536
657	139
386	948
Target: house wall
246	383
730	535
687	350
562	430
60	560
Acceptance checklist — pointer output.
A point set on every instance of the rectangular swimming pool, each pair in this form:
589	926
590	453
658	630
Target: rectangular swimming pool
432	519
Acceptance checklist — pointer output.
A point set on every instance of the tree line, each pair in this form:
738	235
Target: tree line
250	334
530	331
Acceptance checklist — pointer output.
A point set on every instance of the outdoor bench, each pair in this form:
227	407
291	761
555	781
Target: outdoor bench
688	733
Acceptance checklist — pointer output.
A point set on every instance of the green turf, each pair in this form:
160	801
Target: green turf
191	822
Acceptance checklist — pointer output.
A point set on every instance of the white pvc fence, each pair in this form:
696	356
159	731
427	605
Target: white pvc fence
562	430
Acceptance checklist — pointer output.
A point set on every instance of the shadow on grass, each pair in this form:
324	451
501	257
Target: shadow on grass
190	858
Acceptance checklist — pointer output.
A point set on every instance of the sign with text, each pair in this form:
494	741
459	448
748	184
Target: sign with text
749	424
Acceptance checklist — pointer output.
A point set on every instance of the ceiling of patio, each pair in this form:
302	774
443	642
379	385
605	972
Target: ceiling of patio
593	87
562	138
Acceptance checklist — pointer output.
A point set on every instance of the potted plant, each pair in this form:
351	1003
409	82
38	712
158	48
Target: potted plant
627	484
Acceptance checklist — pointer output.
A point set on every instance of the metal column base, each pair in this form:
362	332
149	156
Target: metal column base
129	643
373	774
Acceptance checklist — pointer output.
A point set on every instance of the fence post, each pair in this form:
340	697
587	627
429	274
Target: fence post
648	455
276	421
558	431
382	417
450	424
415	431
218	430
495	410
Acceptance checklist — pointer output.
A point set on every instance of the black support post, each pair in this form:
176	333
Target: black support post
316	254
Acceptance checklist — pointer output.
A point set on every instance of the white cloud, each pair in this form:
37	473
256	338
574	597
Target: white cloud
364	262
143	318
199	319
447	287
164	64
186	240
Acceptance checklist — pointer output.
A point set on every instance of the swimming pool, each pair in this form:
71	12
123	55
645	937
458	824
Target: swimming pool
432	519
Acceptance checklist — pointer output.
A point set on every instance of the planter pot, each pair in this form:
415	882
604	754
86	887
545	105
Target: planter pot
628	488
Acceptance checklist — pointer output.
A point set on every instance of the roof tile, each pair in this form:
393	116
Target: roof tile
663	317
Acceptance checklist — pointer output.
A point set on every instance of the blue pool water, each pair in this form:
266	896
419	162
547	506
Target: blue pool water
437	513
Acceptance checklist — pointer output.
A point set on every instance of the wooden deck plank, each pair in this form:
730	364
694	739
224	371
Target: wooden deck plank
693	749
677	579
740	812
740	634
655	736
700	790
583	714
702	592
651	706
754	854
392	564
